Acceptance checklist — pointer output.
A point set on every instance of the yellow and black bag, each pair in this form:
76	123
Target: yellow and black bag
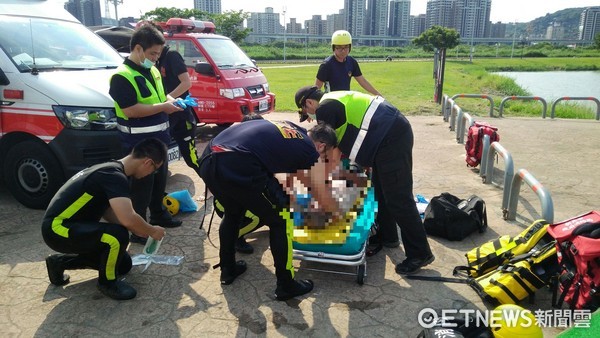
518	279
493	254
507	270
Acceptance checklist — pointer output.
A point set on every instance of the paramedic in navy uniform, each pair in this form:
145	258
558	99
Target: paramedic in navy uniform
238	167
143	109
373	133
72	223
338	69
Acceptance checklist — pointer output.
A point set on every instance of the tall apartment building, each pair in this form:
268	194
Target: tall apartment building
314	26
294	27
334	22
498	30
377	17
589	23
440	13
86	11
355	14
400	24
418	24
210	6
472	18
263	23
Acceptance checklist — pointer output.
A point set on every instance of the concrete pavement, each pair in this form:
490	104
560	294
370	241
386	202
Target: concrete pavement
188	300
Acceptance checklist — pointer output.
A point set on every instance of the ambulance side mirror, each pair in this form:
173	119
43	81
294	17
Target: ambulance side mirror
204	68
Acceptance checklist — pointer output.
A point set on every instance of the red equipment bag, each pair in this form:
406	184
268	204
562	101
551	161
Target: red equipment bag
578	248
474	145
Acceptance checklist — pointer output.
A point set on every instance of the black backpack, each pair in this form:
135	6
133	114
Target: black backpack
452	218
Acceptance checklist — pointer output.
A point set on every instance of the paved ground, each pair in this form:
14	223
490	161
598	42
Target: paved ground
187	300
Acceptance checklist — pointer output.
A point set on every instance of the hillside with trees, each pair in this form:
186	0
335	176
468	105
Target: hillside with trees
568	18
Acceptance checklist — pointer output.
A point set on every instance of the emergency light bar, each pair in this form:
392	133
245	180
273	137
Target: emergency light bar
189	26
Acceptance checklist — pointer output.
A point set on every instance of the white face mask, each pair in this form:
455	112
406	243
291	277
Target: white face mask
146	63
312	116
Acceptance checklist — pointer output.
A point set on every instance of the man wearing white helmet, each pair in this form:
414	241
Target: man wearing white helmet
338	69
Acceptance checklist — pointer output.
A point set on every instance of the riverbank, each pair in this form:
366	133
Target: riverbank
409	84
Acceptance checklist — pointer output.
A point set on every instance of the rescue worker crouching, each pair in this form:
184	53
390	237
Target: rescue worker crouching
72	223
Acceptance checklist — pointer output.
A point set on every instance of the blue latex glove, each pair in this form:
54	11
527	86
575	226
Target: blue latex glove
187	102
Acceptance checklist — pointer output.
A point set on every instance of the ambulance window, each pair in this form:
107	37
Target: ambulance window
191	55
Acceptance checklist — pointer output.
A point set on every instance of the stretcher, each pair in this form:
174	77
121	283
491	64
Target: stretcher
340	243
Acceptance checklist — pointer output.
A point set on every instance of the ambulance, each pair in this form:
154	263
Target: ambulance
56	116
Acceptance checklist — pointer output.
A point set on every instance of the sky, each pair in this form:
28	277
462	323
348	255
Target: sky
502	10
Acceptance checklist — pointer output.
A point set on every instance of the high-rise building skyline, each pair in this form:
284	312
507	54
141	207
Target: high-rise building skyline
472	18
355	14
266	22
589	23
86	11
210	6
377	18
440	13
400	18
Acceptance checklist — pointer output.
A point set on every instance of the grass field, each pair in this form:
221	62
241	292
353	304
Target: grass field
409	85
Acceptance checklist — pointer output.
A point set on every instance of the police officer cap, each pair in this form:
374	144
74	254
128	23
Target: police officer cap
303	94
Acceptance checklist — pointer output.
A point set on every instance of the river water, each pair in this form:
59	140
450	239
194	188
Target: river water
555	84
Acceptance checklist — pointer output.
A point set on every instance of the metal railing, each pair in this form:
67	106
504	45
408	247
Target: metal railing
487	168
478	96
567	98
460	129
542	193
524	98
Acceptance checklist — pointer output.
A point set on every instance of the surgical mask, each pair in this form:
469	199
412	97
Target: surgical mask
147	63
312	116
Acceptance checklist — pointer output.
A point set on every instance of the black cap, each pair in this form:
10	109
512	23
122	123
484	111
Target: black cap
304	93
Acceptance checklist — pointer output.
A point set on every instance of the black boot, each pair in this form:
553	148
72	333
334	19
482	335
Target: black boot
56	269
293	289
117	289
229	274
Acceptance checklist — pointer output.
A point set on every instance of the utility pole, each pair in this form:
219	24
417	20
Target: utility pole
284	31
512	52
115	3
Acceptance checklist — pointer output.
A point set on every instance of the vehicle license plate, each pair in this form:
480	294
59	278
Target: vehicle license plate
263	105
173	154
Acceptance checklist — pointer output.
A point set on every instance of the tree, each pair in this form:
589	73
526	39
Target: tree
597	41
229	23
438	38
163	14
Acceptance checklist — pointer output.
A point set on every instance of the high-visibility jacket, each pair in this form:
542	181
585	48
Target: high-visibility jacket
368	119
133	130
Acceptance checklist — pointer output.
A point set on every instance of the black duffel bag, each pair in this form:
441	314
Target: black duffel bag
452	218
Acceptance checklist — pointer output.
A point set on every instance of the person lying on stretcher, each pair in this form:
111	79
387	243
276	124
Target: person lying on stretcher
327	181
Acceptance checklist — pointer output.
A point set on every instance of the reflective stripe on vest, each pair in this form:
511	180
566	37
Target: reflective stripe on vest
157	94
143	130
364	127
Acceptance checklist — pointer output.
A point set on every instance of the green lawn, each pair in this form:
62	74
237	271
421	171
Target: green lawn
409	84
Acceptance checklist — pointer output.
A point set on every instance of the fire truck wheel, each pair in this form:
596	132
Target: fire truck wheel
32	174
